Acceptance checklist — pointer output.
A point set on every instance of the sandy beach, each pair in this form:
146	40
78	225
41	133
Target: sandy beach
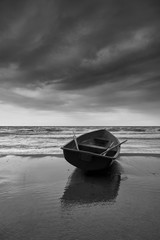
46	198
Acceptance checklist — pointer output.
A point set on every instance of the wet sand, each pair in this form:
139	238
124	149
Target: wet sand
46	198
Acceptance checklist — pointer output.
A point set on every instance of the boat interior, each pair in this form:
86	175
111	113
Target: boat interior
96	145
96	142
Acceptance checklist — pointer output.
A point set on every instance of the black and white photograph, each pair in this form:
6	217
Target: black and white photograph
79	119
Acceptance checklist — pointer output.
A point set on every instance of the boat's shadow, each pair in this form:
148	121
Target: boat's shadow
92	188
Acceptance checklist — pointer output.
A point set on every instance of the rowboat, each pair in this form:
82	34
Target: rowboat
92	151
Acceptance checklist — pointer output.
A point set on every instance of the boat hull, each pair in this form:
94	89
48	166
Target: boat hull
87	161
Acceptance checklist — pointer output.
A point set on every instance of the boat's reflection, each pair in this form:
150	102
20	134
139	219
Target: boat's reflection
93	188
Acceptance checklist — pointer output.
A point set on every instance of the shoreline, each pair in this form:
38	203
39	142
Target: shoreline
32	155
140	154
60	155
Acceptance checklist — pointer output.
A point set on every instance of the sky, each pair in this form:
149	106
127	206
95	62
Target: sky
88	62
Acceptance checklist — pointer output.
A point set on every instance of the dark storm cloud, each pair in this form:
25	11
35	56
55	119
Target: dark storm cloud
54	53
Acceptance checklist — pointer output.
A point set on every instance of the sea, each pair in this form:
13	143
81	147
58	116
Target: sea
48	140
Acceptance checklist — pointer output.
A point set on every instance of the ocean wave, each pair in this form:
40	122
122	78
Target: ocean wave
48	140
115	129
